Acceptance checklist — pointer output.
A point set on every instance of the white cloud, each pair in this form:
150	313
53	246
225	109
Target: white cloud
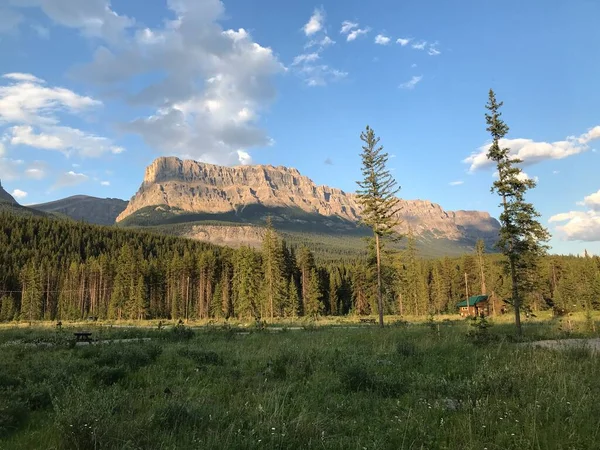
347	26
555	172
2	149
592	201
105	183
94	18
581	225
420	45
34	110
212	84
315	23
18	194
380	39
523	176
307	57
578	225
433	51
320	43
531	152
456	183
352	31
356	33
69	179
64	139
403	41
410	84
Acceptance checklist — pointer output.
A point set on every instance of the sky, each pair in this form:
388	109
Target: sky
92	92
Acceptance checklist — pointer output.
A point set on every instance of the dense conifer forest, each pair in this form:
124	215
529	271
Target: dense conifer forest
64	270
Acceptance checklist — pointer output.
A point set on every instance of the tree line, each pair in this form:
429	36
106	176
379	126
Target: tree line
64	270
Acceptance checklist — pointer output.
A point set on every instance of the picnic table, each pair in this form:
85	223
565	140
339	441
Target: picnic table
83	336
366	320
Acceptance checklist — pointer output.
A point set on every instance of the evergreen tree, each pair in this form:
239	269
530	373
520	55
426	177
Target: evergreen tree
7	308
306	263
291	308
377	196
273	270
313	295
521	234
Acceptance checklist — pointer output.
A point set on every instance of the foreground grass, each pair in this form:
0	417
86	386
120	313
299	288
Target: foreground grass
415	387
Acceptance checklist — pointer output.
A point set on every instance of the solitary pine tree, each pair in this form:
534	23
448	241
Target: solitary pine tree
522	237
377	196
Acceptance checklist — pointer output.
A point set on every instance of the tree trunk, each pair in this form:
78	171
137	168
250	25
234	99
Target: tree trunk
379	297
515	295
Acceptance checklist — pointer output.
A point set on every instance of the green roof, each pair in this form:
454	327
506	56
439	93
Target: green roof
473	300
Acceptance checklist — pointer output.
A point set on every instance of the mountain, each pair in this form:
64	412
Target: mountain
101	211
197	200
9	204
5	197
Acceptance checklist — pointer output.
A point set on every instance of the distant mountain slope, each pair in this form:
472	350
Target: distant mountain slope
101	211
5	197
177	192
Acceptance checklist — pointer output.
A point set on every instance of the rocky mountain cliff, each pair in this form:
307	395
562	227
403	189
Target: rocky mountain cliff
101	211
190	187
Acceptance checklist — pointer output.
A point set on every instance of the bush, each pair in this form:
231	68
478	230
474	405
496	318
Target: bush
480	332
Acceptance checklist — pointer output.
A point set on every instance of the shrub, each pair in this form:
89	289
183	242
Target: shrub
480	332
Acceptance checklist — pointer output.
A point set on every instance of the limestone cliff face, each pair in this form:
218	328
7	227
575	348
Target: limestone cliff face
197	187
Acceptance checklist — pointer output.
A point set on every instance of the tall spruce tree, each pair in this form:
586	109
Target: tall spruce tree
377	196
522	237
273	270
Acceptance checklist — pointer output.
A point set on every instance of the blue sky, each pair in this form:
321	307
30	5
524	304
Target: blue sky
91	92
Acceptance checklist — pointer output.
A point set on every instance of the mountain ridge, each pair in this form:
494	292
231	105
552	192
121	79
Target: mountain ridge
187	187
100	211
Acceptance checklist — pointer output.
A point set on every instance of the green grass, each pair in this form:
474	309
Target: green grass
408	386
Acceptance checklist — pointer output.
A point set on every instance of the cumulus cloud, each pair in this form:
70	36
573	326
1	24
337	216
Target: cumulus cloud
403	41
315	23
580	225
421	45
18	194
34	110
456	183
410	84
69	179
381	39
531	152
212	84
592	201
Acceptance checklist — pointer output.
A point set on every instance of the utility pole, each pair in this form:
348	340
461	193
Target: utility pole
467	290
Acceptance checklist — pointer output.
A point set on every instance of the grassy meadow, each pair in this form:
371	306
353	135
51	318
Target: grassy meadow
336	384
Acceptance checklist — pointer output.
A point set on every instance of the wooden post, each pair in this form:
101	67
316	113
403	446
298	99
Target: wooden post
467	292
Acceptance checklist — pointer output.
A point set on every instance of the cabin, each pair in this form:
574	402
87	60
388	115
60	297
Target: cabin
474	306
